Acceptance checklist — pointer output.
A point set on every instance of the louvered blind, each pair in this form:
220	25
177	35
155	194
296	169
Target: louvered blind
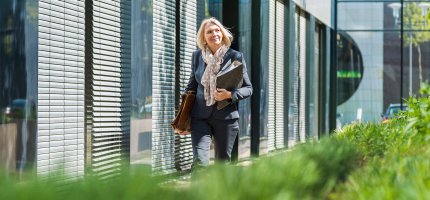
60	117
276	65
163	88
187	30
271	116
302	75
293	107
279	75
108	85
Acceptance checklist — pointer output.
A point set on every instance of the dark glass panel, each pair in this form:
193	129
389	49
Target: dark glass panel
349	67
264	75
18	84
141	82
215	9
245	44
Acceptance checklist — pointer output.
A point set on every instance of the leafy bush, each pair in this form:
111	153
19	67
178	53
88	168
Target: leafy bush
395	177
376	139
418	114
396	155
136	184
309	172
399	166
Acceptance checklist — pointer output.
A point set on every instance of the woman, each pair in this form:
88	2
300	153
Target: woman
214	40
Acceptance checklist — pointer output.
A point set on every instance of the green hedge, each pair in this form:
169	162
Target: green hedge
309	172
362	161
135	184
398	155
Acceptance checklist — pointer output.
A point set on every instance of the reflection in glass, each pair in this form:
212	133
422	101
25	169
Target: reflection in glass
141	82
358	98
264	76
245	43
362	16
392	71
380	82
18	84
415	61
349	67
314	86
381	49
415	20
215	9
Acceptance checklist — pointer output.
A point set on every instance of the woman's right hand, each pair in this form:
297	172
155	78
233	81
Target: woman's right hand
180	132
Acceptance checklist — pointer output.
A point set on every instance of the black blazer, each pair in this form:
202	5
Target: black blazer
200	110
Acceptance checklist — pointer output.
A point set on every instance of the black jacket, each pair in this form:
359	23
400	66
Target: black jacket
200	110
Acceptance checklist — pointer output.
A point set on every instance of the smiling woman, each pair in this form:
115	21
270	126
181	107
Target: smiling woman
206	121
213	36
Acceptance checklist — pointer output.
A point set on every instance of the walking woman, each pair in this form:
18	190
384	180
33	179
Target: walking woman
213	55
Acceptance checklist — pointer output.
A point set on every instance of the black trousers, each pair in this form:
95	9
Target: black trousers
224	133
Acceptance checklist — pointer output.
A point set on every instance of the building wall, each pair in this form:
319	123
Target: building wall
321	9
106	79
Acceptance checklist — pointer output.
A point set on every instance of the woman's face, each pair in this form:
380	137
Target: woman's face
213	35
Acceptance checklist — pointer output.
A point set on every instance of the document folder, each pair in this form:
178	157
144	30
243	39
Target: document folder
230	79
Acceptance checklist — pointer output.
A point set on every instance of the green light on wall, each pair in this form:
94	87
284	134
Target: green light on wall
348	74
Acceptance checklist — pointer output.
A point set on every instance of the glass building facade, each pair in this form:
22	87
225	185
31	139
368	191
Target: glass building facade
379	55
18	84
91	85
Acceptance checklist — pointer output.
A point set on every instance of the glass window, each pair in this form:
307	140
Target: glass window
314	82
368	0
18	84
264	76
215	9
349	66
365	16
416	44
245	44
416	38
321	9
141	82
368	74
381	53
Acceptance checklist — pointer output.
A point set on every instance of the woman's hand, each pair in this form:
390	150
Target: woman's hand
221	94
181	132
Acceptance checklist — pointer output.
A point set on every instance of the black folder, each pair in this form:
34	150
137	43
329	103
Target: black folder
230	78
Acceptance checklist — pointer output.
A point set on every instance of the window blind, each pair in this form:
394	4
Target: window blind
302	74
60	117
279	75
163	87
108	85
188	28
271	116
293	107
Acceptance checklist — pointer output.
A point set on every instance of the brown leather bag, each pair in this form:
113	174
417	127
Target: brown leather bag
182	120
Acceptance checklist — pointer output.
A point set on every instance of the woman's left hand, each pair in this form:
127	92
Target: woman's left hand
221	94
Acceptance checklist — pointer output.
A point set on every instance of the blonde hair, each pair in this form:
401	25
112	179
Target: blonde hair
226	39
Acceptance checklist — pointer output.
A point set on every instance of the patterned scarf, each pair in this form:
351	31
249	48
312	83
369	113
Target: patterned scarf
209	76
